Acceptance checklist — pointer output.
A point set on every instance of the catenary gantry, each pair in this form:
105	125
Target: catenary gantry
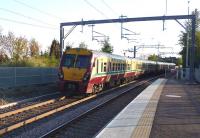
137	19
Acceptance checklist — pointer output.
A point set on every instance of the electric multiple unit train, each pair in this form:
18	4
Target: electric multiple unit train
88	71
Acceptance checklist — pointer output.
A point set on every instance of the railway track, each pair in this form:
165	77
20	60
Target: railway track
27	102
16	118
11	121
90	122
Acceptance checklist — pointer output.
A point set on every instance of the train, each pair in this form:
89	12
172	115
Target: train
85	71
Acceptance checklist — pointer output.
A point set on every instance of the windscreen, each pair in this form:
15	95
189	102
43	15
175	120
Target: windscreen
68	60
82	61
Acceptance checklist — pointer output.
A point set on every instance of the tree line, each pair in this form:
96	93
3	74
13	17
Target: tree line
17	48
19	51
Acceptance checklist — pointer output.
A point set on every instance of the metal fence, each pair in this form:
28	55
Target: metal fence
19	76
184	74
197	74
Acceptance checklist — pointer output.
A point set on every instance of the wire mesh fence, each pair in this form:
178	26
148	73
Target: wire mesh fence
19	76
184	74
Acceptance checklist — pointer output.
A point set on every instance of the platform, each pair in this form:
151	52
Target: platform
137	117
167	108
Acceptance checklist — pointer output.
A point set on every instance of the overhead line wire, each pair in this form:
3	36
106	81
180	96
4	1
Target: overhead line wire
38	10
98	9
109	7
28	17
20	22
95	8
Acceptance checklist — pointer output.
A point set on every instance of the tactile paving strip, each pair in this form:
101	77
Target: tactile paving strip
143	128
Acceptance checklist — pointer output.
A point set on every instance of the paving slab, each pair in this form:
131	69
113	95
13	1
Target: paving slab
178	111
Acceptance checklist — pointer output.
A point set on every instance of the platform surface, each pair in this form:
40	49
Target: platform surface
136	119
165	109
178	111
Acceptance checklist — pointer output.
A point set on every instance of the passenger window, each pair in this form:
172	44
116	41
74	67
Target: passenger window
117	66
110	66
113	67
104	68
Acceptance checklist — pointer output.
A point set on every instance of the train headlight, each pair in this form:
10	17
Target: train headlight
86	76
60	74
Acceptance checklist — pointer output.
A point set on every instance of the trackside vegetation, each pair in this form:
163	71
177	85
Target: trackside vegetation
21	52
183	40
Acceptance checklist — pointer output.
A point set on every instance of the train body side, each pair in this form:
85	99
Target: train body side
86	71
109	70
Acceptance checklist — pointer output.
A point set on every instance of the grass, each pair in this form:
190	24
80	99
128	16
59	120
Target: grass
40	61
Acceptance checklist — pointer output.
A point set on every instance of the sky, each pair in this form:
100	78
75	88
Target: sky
40	19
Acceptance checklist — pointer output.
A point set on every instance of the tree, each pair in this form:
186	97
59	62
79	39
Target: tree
183	40
34	47
45	53
197	50
83	45
3	57
20	50
179	61
106	47
153	57
55	49
7	43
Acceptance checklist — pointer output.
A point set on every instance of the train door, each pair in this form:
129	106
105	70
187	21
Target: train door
95	70
133	68
97	66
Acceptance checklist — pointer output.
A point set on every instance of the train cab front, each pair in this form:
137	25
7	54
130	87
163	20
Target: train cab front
74	71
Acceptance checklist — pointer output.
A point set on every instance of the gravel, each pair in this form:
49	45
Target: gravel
92	123
8	95
43	126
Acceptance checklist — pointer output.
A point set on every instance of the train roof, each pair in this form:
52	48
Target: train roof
98	53
119	57
127	58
